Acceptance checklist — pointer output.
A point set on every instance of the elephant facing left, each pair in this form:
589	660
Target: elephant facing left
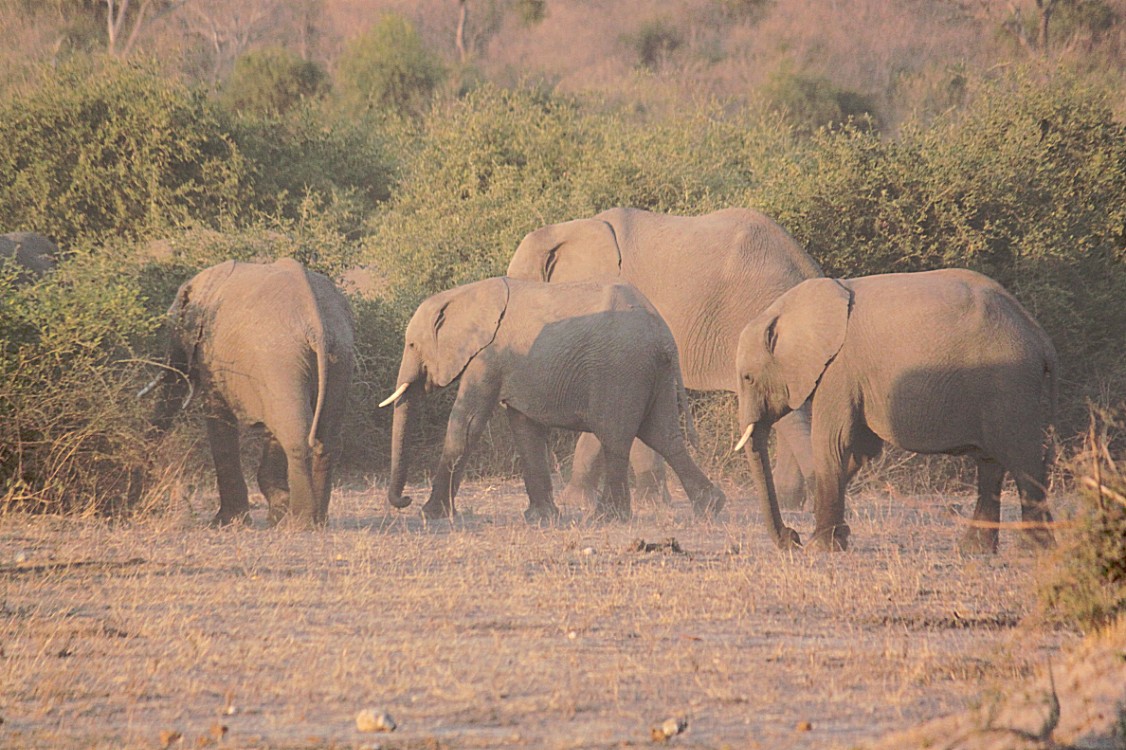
268	345
588	356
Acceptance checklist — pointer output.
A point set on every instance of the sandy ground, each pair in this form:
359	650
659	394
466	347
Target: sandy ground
487	632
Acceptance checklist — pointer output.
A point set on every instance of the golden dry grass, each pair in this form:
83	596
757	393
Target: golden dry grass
491	633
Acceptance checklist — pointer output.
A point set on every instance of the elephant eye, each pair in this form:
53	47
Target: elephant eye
748	378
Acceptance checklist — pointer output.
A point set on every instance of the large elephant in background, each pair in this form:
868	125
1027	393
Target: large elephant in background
582	356
33	253
707	276
934	362
269	345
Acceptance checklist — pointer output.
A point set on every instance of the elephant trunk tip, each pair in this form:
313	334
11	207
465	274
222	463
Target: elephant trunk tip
399	501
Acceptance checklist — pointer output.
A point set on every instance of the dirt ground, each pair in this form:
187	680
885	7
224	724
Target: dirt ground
490	633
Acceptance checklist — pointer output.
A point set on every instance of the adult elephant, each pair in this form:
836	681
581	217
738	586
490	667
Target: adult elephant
583	355
33	254
267	345
707	276
934	362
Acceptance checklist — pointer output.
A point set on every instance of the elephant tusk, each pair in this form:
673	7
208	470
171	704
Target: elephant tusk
188	399
149	388
395	396
746	436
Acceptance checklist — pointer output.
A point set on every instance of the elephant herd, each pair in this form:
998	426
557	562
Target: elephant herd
599	326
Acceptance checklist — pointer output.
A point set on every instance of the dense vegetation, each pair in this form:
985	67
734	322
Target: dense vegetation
424	174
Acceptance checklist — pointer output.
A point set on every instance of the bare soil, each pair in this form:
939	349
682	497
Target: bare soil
488	632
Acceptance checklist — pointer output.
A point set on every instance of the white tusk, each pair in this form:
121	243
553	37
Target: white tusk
188	399
746	436
148	388
395	396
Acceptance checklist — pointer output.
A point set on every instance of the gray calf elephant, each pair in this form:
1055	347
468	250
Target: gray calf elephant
33	254
935	362
581	356
270	345
707	276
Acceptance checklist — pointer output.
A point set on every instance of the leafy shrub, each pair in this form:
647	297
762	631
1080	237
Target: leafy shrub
271	81
654	42
812	102
115	151
1087	582
387	69
71	436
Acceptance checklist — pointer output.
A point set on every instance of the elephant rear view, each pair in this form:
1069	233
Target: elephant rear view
935	362
268	345
588	356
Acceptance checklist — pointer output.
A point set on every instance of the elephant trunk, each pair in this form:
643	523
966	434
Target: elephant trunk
402	425
759	460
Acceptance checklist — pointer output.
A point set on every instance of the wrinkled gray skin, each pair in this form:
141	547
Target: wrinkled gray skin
581	356
35	254
707	276
935	362
268	345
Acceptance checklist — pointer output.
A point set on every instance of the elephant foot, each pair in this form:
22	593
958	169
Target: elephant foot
978	541
581	497
276	515
709	503
788	540
435	510
542	514
833	539
225	518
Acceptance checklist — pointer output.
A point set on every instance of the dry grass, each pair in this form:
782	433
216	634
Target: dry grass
489	633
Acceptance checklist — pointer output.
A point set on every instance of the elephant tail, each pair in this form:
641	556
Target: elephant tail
685	408
322	380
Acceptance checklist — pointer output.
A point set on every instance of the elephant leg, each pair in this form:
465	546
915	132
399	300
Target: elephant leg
586	471
223	436
793	455
531	444
272	479
844	448
302	505
464	428
615	502
324	460
706	498
1032	487
981	536
649	474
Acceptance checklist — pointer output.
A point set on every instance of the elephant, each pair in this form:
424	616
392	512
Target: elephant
271	345
587	356
940	361
707	276
34	254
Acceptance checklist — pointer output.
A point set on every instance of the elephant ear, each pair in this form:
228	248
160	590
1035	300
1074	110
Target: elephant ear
464	321
807	333
571	251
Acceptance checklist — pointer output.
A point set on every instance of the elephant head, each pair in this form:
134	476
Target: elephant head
444	335
782	355
571	251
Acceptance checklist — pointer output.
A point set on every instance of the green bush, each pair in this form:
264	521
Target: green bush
115	151
387	69
271	81
71	429
1086	584
813	102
